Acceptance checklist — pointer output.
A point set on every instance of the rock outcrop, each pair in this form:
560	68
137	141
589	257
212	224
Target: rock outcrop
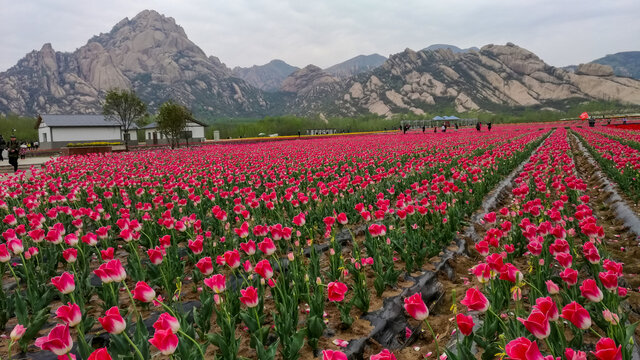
494	76
150	54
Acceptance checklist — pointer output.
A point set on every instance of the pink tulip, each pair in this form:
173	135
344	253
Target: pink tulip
143	292
249	297
336	291
590	290
100	354
4	254
333	355
552	288
205	265
167	322
165	340
475	300
70	314
415	306
537	324
112	322
58	341
577	315
263	268
383	355
64	283
232	258
217	283
523	349
17	332
267	246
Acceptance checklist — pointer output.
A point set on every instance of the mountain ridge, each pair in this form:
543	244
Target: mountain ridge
152	55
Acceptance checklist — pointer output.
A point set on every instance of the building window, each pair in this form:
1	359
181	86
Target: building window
44	137
149	135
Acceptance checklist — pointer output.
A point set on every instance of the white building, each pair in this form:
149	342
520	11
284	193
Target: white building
194	132
55	131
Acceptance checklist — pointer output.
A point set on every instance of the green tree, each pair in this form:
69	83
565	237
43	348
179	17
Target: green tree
172	120
125	108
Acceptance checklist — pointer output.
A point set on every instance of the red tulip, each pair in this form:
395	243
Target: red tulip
111	271
415	306
107	254
510	273
482	247
143	292
537	324
342	219
232	258
609	280
475	300
606	350
523	349
571	354
165	340
70	255
155	255
591	291
100	354
70	314
547	307
15	246
570	276
577	315
495	261
249	296
263	268
249	247
58	341
482	272
383	355
465	324
490	217
336	291
267	246
205	265
196	246
4	254
217	283
333	355
64	283
112	322
167	322
565	260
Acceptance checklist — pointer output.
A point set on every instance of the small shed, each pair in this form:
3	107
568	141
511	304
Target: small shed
56	131
194	132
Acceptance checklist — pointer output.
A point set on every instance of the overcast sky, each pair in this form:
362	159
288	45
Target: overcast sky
325	32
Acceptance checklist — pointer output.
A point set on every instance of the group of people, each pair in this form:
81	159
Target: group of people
479	126
14	150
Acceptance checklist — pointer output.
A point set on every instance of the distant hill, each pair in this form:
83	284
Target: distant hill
267	77
453	48
356	65
623	63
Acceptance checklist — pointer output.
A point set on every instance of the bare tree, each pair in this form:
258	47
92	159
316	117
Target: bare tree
125	108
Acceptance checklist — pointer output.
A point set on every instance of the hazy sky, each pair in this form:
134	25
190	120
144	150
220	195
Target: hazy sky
325	32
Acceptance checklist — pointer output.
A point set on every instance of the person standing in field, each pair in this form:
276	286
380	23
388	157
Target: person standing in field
489	126
2	144
13	148
23	150
478	126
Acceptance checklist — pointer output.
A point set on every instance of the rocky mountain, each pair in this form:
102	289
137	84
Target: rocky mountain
150	54
623	63
453	48
494	76
267	77
356	65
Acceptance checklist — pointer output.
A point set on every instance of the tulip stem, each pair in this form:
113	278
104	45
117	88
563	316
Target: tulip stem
9	350
435	339
595	332
133	303
132	344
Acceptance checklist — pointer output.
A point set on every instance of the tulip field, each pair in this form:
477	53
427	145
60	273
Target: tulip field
358	247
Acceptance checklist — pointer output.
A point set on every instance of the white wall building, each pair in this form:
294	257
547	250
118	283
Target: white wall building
55	131
194	133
